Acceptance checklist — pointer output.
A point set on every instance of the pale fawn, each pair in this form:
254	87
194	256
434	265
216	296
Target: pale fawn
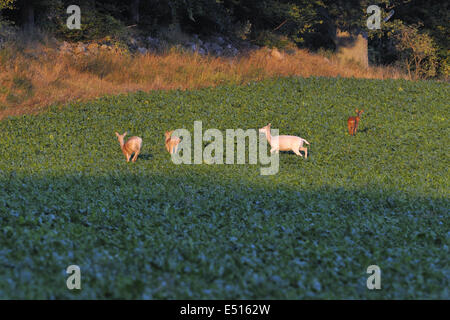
133	145
353	122
285	143
171	142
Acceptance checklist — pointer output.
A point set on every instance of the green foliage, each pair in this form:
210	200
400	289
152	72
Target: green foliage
97	22
7	31
418	51
271	40
426	24
7	4
304	23
152	229
272	19
434	17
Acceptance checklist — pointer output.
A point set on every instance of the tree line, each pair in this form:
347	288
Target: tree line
416	35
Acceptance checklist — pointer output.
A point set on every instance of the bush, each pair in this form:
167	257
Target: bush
7	31
445	67
417	51
98	22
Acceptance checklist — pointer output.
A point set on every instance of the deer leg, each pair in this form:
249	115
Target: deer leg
351	128
173	148
135	156
305	150
297	152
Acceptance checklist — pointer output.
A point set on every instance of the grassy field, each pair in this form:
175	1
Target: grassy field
156	230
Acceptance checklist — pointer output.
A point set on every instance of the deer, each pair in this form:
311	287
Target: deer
353	122
133	145
285	143
171	142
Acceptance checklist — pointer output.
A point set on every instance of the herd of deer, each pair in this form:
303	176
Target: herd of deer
277	143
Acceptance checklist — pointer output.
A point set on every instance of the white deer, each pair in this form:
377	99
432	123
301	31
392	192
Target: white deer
285	143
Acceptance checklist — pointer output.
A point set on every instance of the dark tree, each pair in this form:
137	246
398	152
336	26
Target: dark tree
27	14
134	11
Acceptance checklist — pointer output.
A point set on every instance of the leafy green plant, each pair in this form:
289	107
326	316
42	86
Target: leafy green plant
156	230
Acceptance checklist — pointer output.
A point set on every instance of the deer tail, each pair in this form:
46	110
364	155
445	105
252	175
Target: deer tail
305	141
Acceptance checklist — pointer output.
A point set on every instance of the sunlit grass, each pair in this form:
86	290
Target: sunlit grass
53	77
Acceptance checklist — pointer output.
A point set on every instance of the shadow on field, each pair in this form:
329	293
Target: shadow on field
144	156
366	129
160	236
294	155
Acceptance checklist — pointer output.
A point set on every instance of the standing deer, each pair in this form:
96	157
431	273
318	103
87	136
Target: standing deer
171	142
285	143
353	122
133	145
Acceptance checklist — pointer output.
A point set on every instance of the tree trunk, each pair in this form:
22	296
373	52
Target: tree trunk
27	15
134	11
173	9
408	66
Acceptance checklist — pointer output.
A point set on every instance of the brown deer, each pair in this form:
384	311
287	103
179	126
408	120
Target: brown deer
353	122
171	142
133	145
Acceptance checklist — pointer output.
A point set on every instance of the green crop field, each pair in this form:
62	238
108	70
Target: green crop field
156	230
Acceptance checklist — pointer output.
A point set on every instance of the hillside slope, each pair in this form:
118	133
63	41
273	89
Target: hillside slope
35	78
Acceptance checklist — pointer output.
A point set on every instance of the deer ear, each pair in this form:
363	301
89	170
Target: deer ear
356	110
269	124
125	133
117	134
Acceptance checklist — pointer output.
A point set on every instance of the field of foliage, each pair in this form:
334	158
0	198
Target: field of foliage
156	230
